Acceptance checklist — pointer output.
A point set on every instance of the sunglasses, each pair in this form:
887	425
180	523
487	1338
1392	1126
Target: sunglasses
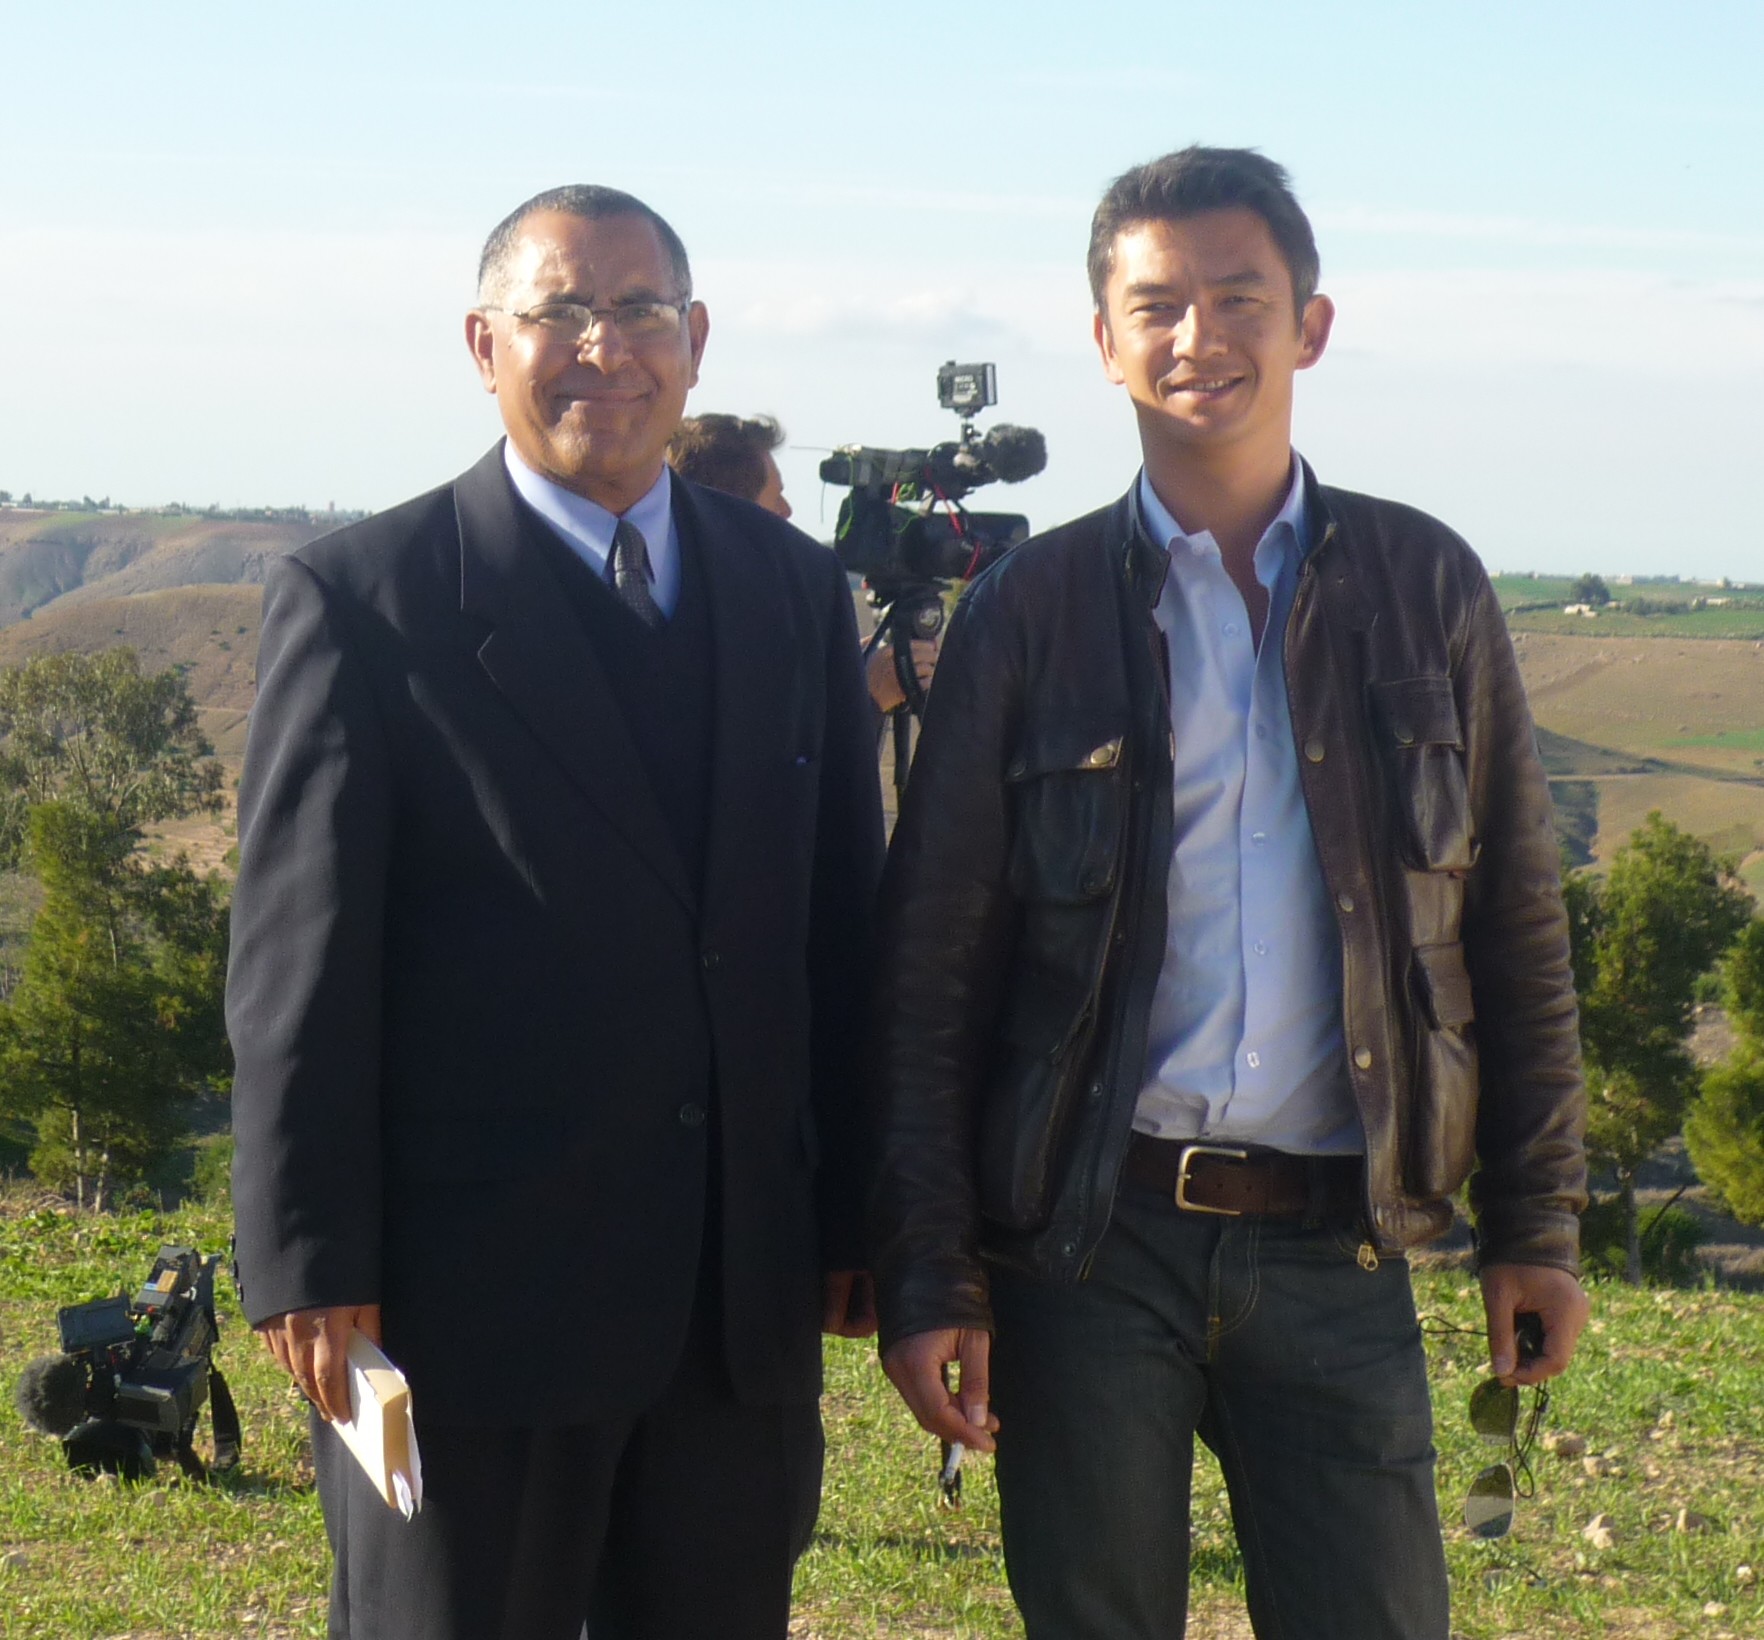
1495	1416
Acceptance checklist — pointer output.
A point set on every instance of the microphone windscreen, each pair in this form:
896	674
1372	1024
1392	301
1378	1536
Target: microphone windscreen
1014	453
51	1394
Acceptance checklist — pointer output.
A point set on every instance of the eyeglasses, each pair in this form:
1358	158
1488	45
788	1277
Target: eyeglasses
1494	1494
644	320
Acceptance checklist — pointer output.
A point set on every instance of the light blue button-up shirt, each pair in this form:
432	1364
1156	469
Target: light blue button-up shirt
587	528
1246	1041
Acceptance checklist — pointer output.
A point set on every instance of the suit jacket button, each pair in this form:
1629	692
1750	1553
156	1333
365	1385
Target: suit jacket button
711	958
691	1115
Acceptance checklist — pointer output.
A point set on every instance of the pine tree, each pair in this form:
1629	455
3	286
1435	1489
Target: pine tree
1642	938
115	1022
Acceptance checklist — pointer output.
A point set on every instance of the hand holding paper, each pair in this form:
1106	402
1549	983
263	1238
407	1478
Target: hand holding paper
380	1433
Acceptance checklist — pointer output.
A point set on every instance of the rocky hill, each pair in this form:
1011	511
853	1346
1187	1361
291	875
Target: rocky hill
51	558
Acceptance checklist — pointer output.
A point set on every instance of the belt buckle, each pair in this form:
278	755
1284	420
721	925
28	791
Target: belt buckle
1186	1155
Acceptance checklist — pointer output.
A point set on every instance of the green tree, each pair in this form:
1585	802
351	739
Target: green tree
91	731
115	1022
1590	589
1641	939
1725	1127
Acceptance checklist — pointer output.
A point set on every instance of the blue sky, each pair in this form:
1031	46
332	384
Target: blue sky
236	242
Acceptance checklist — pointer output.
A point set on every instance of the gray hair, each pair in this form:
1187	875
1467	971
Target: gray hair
592	204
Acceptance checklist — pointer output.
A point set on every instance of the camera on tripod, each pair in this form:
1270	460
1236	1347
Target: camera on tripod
903	523
134	1374
904	530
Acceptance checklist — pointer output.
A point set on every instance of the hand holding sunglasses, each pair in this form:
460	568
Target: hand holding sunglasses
1494	1415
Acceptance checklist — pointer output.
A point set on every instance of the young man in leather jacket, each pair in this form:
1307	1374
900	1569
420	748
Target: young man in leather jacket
1223	942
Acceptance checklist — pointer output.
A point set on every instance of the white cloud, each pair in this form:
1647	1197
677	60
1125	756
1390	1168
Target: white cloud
1648	326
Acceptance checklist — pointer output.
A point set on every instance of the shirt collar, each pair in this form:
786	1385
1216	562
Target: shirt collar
1277	547
586	525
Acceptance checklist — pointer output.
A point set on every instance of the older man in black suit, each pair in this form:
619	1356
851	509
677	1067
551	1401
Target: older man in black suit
558	838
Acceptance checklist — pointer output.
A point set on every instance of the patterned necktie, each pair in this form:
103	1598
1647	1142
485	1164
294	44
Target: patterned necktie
630	574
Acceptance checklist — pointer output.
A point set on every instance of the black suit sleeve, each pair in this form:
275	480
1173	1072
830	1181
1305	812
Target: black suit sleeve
848	862
304	985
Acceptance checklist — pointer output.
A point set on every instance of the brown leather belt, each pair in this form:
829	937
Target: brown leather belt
1235	1180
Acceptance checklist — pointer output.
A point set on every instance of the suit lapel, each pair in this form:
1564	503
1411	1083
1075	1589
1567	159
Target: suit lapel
539	659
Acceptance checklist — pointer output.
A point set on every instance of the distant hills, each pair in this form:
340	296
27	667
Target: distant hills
1660	705
51	558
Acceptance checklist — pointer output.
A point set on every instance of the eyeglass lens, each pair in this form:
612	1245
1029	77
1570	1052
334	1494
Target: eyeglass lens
1488	1510
1494	1411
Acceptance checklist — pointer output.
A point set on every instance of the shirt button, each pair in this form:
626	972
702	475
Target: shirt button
1253	1060
1231	629
1260	948
1261	731
1314	750
691	1115
1363	1058
1345	901
1259	838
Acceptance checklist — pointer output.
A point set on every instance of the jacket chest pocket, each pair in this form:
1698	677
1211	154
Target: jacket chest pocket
1422	743
1069	805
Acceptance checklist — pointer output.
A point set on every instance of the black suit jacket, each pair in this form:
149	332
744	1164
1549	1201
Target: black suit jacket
478	1005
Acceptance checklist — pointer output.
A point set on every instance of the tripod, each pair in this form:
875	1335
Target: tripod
905	611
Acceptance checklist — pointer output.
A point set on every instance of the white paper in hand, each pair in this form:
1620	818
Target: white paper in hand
380	1432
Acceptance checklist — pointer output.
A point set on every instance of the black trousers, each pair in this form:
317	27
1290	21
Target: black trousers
681	1522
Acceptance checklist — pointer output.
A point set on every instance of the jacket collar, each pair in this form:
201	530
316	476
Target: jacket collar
1148	563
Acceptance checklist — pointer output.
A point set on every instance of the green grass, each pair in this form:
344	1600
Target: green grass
1514	590
1668	1391
1739	740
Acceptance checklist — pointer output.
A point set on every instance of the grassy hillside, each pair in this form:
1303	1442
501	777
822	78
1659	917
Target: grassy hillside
1646	608
1628	725
1739	621
1667	1393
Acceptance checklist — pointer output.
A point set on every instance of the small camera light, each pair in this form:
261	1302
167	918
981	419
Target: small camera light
966	388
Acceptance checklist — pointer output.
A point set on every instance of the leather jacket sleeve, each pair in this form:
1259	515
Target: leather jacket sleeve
945	934
1530	1182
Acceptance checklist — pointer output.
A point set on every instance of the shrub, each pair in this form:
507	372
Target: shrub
1670	1238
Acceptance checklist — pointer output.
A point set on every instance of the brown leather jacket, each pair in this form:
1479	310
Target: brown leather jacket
1024	906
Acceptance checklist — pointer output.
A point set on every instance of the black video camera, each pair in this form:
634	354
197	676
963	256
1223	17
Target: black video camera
903	523
134	1375
904	530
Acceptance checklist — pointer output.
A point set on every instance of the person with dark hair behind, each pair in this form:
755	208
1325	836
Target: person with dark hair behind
734	453
1222	941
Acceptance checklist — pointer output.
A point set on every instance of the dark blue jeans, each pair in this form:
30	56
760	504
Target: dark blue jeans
1301	1369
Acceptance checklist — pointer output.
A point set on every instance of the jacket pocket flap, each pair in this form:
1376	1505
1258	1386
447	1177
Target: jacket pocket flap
1445	985
1419	711
1060	747
1045	1012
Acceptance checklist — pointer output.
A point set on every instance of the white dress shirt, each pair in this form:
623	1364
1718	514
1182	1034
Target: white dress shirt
587	527
1246	1041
